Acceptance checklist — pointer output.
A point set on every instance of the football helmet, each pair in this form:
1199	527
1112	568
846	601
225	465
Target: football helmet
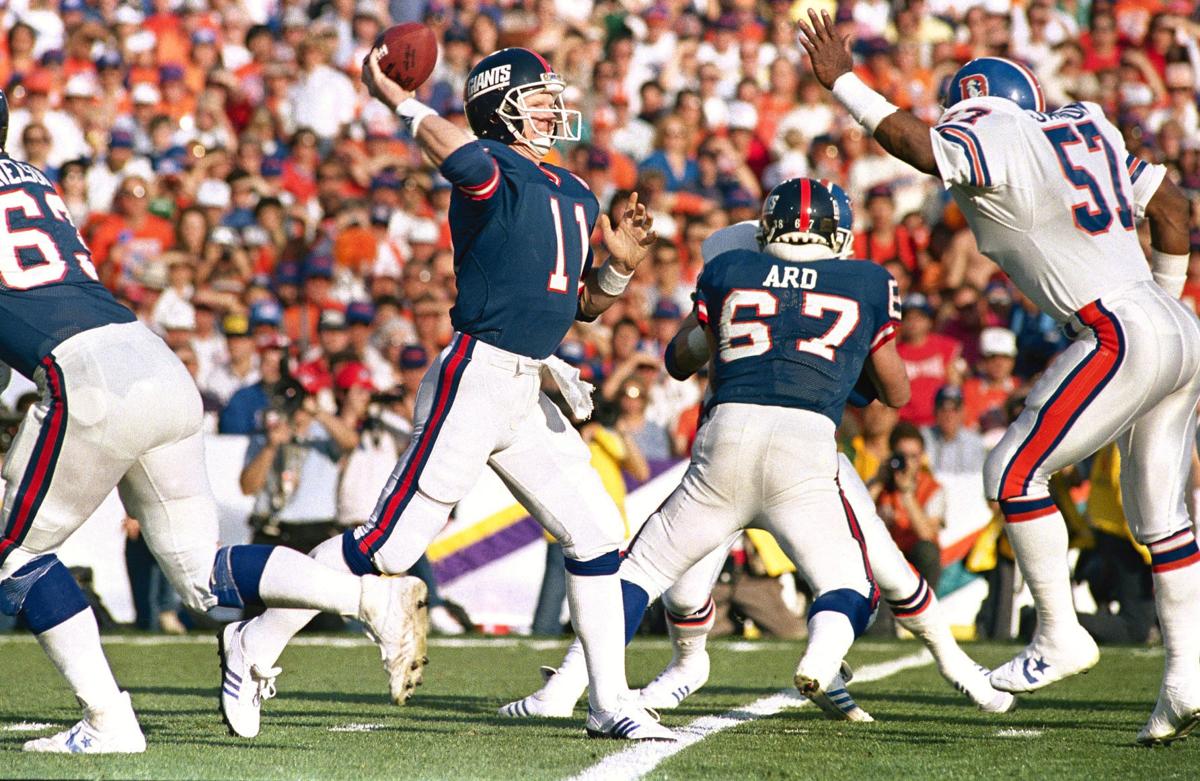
496	94
997	77
844	235
799	221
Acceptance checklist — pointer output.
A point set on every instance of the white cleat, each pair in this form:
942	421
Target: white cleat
973	682
676	683
244	686
396	613
114	730
835	701
629	722
1045	661
1171	720
542	704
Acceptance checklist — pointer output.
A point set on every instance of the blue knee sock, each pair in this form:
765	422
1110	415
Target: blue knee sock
358	562
44	593
634	599
849	603
237	571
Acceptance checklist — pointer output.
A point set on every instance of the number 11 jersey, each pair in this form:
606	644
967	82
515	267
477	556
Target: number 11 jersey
793	334
1051	197
48	287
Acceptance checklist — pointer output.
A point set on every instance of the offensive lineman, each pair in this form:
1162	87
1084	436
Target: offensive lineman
690	610
524	270
792	328
117	408
1052	198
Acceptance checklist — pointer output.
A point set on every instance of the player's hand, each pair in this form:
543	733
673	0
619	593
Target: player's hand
631	239
828	51
383	89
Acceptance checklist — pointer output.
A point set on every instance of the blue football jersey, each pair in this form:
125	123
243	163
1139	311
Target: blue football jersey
521	247
793	334
48	287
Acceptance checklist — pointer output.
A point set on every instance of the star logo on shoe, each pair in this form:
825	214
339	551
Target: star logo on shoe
1039	666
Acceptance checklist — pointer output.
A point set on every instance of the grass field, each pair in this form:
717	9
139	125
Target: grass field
332	719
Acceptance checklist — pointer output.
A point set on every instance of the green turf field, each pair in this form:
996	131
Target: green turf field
332	719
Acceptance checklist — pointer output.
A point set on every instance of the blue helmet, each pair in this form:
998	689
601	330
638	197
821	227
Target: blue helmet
997	77
495	99
800	212
843	238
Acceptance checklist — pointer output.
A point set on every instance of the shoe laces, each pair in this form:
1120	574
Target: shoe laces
264	681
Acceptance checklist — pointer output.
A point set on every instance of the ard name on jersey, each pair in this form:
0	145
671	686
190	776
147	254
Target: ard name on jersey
793	334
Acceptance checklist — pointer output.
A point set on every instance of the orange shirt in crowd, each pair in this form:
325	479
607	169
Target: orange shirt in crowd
928	365
981	396
891	509
107	233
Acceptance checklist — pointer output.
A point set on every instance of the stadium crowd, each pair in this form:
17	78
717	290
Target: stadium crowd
245	198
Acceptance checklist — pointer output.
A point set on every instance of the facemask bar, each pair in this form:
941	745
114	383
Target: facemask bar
514	110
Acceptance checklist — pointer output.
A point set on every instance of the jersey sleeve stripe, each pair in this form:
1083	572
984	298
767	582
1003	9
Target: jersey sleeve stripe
884	335
1136	167
486	190
980	176
702	313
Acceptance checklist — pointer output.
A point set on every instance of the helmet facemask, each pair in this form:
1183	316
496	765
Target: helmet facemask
514	111
798	245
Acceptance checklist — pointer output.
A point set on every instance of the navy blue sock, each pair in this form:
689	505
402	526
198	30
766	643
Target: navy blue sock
634	599
848	602
604	564
237	571
44	593
358	562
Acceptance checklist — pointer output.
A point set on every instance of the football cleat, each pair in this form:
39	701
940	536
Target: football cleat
244	686
1173	718
973	682
1045	661
545	703
835	701
676	683
395	611
629	722
114	730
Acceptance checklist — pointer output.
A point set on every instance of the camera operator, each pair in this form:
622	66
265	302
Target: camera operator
911	502
292	467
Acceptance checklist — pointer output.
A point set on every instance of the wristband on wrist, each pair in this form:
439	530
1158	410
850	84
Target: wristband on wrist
412	111
611	281
864	104
1169	271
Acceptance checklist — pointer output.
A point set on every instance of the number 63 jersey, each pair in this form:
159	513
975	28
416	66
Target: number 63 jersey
1052	198
793	334
48	286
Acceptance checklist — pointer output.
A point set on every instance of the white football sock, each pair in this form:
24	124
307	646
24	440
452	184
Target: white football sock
571	680
1041	549
599	621
689	634
830	636
929	625
265	637
74	648
291	579
1177	600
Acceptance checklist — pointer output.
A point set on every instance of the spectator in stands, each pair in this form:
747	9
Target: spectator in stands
931	359
955	456
985	394
911	502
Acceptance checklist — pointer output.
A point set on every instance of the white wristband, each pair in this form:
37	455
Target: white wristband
1170	271
611	281
864	104
412	111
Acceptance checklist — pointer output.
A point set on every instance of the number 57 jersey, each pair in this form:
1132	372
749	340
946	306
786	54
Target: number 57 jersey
793	334
1052	198
48	286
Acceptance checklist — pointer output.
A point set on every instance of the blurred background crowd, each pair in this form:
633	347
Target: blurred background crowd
245	198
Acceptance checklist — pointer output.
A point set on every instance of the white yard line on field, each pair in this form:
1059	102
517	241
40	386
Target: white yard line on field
639	759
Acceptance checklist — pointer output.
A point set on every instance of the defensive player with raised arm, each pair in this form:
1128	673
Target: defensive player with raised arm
792	328
523	264
1052	197
690	609
118	409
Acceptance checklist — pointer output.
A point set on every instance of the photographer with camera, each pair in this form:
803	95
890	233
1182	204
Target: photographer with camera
911	501
293	463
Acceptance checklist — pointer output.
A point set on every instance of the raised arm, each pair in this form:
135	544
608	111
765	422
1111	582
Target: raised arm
438	137
629	244
1167	212
899	132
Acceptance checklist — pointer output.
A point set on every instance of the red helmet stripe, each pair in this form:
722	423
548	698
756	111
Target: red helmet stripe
805	200
542	60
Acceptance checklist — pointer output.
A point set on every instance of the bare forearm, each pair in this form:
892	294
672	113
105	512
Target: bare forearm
254	476
907	138
439	138
1167	213
343	432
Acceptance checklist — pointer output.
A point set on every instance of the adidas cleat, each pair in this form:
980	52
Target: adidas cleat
244	686
835	701
542	704
676	683
631	722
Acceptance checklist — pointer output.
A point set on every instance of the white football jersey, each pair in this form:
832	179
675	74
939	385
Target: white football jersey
1052	198
740	235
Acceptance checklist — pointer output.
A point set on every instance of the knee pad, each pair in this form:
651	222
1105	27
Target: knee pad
44	592
853	605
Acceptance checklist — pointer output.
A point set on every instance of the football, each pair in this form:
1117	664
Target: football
408	53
